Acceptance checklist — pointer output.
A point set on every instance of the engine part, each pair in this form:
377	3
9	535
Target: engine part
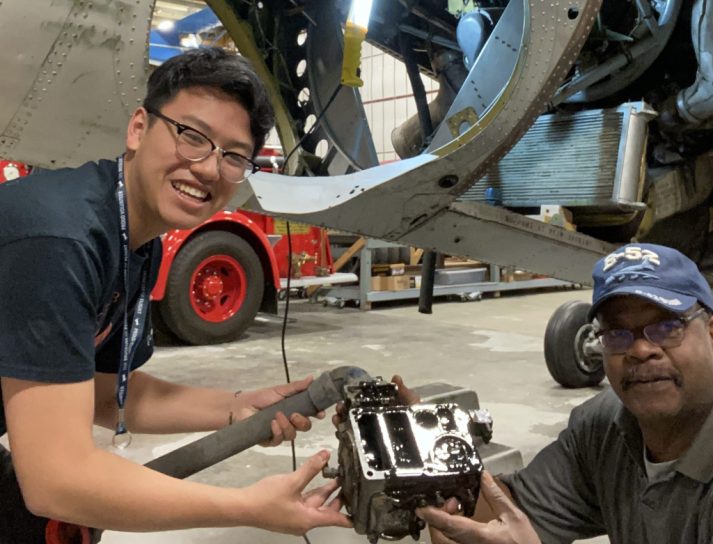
590	161
695	104
628	37
472	31
407	139
394	458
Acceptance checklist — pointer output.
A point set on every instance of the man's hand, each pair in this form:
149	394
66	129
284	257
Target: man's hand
278	503
406	396
511	526
283	427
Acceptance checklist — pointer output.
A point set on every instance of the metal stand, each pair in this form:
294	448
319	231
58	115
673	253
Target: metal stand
364	295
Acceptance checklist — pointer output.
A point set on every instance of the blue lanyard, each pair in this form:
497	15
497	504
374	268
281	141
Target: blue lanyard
129	336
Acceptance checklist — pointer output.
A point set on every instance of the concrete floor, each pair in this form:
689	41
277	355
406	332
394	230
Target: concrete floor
493	346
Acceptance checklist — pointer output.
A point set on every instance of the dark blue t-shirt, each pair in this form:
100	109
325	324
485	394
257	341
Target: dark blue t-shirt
60	306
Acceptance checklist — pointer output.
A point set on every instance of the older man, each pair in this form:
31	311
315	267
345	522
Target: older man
636	461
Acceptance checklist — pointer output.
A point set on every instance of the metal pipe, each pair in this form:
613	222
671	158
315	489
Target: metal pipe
695	104
406	139
433	38
322	393
419	91
428	276
617	62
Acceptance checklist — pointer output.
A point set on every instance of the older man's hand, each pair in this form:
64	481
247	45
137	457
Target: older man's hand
510	526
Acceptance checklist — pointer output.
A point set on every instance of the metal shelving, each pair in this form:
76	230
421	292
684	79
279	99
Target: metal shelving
365	296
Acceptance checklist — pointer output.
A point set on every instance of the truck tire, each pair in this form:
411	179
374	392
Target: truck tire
162	333
569	363
214	289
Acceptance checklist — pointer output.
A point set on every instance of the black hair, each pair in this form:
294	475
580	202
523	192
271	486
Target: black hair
218	69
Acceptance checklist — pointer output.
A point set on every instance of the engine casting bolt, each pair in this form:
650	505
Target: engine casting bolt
331	472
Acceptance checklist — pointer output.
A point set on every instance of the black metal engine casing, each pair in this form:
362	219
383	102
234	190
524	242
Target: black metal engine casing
394	458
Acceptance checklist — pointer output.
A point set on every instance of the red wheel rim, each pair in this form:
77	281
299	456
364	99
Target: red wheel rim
218	288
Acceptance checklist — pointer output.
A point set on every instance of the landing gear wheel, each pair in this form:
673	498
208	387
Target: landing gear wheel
214	289
572	353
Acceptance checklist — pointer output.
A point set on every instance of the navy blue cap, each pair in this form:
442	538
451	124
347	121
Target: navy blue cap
658	274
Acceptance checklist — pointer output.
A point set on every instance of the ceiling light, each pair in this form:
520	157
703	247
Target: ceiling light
166	25
360	13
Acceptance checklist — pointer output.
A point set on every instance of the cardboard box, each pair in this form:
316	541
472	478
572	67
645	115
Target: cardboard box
397	269
555	215
390	283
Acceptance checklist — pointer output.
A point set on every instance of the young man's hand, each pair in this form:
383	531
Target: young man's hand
279	503
406	396
283	427
510	526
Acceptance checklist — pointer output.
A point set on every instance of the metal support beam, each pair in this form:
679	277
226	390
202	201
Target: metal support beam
502	237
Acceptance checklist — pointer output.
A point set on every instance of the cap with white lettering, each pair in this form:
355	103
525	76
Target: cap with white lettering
658	274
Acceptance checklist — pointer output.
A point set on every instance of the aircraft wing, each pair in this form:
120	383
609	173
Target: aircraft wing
79	70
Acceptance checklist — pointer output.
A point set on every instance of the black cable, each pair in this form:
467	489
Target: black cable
289	261
284	330
287	301
316	123
284	327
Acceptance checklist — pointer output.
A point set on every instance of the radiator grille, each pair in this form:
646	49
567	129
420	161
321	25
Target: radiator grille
568	159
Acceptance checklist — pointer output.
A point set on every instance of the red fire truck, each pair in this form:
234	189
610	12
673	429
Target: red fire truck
215	278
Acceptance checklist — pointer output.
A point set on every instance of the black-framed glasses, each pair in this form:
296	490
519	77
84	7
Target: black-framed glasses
665	334
194	146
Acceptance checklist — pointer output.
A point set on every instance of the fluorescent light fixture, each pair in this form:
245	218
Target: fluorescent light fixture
166	25
360	13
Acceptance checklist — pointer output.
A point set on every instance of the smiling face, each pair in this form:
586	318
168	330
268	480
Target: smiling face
654	382
166	191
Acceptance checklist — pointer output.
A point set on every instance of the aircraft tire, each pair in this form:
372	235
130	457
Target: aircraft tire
565	356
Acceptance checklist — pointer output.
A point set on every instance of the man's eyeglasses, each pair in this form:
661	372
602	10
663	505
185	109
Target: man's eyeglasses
194	146
665	334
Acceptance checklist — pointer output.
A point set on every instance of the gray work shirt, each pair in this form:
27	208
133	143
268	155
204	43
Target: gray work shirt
592	481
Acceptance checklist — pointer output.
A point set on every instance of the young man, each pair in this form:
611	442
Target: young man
636	461
78	256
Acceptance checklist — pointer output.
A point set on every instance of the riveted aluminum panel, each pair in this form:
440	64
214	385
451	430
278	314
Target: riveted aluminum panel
78	72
